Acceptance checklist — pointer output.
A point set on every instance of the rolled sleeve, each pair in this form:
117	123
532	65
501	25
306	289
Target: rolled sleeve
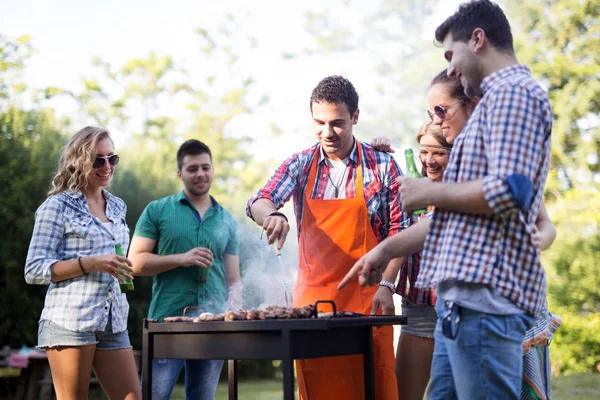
397	219
280	187
514	148
47	235
233	245
147	225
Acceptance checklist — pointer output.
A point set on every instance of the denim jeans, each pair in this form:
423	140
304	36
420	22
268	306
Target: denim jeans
201	378
484	361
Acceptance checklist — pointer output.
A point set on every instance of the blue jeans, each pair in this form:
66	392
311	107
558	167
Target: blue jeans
201	378
485	358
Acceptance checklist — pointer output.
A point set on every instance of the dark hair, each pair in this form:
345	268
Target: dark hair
478	14
191	147
335	90
428	128
457	90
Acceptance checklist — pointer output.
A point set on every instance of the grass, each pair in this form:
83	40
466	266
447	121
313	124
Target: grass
574	387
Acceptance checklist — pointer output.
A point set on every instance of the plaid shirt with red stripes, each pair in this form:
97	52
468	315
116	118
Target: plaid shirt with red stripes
380	172
508	134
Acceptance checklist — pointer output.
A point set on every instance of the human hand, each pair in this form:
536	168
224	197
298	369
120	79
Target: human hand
384	298
369	268
415	193
118	266
381	143
276	228
198	256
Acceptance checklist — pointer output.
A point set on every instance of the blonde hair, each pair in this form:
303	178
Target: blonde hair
428	128
76	160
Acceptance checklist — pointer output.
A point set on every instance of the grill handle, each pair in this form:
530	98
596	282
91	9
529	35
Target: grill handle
330	302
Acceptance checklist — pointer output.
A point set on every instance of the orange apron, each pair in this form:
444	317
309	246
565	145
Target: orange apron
334	235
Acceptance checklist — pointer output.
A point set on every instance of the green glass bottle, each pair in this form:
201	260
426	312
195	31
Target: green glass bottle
128	284
413	172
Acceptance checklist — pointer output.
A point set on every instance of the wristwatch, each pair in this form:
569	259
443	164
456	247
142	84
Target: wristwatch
389	285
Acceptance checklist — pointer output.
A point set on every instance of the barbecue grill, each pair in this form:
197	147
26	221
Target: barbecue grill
271	339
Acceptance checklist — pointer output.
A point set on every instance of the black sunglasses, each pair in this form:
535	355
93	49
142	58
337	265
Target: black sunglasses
100	161
447	329
442	112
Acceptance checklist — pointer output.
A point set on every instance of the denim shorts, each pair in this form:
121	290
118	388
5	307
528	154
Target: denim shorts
53	335
421	319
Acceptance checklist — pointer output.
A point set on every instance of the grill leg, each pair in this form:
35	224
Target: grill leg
147	356
368	364
232	379
288	367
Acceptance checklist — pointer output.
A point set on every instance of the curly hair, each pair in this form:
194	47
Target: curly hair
428	128
76	160
475	14
335	89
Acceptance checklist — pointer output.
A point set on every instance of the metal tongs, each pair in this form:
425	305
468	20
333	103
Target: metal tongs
283	278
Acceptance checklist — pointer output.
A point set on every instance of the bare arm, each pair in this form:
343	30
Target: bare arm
146	263
545	231
233	280
275	226
465	197
371	266
383	298
107	263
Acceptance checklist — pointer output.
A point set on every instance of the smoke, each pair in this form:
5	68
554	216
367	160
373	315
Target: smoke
262	277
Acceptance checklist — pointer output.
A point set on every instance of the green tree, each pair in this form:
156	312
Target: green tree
394	38
13	53
560	42
29	144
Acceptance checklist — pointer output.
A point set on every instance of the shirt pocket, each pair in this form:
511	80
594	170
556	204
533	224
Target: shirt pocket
82	227
373	196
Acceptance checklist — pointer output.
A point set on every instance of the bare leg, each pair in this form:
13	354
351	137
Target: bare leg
71	371
413	364
117	374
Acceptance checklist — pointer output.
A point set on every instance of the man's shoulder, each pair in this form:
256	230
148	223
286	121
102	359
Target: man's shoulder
163	201
375	158
519	82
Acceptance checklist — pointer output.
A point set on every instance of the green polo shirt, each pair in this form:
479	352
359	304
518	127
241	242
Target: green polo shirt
176	226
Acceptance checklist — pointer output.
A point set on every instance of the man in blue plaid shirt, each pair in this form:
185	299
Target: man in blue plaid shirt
479	252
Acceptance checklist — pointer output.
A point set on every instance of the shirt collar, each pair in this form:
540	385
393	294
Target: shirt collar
353	156
491	80
181	197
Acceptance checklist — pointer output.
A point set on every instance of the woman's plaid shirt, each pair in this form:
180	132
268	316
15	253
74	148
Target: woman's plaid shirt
64	230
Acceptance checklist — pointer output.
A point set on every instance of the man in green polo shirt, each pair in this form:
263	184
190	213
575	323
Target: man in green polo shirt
177	240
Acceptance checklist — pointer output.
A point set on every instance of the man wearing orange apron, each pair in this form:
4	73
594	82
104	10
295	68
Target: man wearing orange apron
346	201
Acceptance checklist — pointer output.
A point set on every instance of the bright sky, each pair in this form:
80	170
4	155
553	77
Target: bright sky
67	34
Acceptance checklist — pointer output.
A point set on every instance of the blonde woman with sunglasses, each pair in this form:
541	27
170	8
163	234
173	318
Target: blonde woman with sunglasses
83	325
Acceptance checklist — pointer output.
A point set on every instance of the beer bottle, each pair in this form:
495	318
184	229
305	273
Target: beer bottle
413	172
128	284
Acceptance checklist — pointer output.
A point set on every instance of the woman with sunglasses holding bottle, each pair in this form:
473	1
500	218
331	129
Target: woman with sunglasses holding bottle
449	110
83	325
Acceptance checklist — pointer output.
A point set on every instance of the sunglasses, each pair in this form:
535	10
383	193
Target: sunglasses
100	161
450	329
441	112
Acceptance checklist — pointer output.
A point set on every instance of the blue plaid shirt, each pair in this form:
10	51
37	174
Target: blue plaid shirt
64	230
506	142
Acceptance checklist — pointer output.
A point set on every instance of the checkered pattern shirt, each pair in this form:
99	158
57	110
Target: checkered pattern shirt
380	171
507	136
65	230
407	277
